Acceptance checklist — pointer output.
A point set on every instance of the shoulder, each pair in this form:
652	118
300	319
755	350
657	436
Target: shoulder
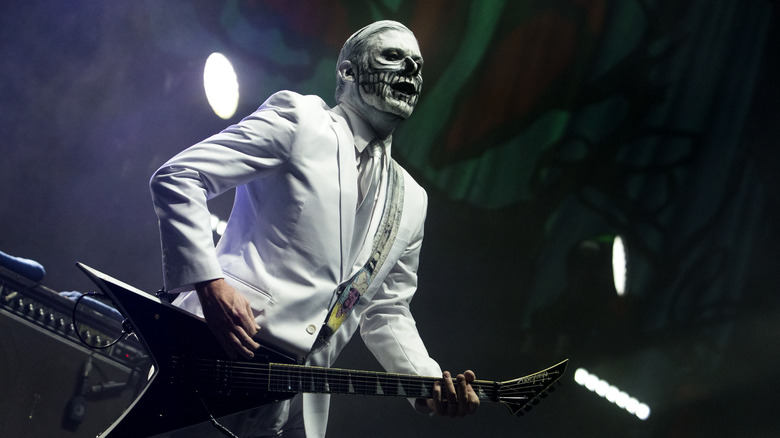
289	103
284	113
415	205
413	191
409	180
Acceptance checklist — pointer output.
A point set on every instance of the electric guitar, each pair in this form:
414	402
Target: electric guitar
194	380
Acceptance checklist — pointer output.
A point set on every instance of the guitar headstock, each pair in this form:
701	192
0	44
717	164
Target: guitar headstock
520	394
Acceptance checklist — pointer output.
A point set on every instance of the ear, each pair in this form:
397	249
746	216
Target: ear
346	71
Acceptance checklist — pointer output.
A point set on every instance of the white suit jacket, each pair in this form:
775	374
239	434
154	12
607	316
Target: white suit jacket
287	243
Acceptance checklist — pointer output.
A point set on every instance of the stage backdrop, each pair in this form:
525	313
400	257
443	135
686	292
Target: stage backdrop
545	129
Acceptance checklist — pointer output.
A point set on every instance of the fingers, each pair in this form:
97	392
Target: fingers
455	398
239	334
445	399
230	318
243	345
452	395
438	405
231	347
235	341
250	324
470	399
463	400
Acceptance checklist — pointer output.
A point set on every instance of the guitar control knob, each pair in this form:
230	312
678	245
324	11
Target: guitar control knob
41	313
30	308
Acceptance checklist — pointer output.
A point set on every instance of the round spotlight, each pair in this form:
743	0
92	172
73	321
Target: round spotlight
221	85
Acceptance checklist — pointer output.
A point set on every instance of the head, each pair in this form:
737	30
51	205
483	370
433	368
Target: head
379	72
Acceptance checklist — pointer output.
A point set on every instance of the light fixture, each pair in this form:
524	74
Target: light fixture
221	85
612	394
619	265
218	225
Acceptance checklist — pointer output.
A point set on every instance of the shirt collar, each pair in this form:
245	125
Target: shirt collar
362	132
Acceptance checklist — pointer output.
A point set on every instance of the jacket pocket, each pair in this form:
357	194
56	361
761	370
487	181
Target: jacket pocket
258	298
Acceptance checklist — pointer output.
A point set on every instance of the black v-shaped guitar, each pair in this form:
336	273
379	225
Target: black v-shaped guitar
193	377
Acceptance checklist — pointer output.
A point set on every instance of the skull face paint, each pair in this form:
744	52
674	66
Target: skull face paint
390	74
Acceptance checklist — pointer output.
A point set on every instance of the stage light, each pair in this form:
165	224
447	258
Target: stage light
619	266
221	85
218	225
612	394
642	411
221	226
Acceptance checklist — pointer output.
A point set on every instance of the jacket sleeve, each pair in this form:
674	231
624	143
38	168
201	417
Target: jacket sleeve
254	147
388	327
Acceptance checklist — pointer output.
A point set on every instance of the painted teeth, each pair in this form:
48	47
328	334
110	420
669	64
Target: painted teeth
404	87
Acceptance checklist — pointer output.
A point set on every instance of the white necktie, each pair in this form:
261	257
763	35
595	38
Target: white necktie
370	171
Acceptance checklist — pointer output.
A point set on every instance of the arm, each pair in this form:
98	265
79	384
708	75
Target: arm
251	149
390	332
255	147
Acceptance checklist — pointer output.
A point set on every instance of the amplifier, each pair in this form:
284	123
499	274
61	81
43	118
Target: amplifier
52	384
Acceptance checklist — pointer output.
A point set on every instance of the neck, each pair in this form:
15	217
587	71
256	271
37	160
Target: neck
382	123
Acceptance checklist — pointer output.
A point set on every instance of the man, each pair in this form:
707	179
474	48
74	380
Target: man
307	243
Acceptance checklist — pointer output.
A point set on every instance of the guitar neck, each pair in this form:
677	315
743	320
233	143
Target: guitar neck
298	378
247	377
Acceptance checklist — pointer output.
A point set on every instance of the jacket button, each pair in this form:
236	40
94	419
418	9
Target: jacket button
311	329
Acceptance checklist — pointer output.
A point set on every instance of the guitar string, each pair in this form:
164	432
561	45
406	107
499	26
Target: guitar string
326	380
277	370
334	376
254	369
334	383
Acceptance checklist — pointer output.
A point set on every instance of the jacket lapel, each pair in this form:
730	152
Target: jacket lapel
348	187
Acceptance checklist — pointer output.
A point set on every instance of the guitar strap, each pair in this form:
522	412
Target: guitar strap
349	292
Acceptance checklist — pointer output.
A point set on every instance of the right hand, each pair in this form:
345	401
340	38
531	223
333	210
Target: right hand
229	316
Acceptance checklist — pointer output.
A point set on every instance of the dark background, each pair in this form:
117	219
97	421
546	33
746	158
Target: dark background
545	129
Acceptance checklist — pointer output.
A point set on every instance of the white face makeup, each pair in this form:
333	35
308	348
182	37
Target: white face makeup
390	75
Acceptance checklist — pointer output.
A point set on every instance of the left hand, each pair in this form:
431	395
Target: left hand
454	398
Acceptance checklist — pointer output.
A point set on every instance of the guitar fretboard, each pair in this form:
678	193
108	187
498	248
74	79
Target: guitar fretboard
227	377
297	378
